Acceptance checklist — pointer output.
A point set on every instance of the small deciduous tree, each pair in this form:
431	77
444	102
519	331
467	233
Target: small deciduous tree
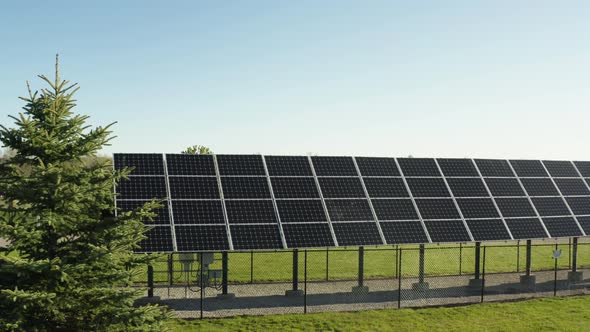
69	262
197	149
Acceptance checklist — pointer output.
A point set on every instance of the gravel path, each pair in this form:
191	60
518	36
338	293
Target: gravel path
269	298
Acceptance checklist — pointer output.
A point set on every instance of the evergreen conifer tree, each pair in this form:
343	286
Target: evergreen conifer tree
69	262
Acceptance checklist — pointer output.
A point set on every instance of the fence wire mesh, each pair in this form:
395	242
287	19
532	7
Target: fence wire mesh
347	279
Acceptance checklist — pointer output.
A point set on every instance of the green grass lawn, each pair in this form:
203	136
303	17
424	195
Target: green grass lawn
379	262
549	314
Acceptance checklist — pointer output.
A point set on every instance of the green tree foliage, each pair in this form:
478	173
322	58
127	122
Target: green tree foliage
69	262
197	149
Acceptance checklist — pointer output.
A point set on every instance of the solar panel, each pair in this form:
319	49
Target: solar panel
334	166
550	206
193	188
372	166
569	187
539	187
428	187
418	167
159	239
579	205
245	187
562	227
560	168
402	232
583	167
528	168
187	164
297	187
249	237
504	187
197	212
385	187
240	165
515	207
526	228
585	224
394	209
467	187
288	166
447	231
341	187
197	238
142	163
301	211
457	167
308	235
357	234
142	187
494	167
488	229
349	210
477	208
269	202
250	211
437	209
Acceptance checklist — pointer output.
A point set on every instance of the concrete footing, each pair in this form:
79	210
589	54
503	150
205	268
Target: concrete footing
227	296
420	286
475	283
360	289
294	292
527	283
575	277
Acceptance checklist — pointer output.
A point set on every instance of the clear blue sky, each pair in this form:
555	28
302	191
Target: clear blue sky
506	79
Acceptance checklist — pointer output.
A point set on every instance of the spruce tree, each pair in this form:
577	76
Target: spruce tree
69	262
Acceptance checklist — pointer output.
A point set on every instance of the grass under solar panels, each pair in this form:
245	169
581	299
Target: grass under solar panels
380	262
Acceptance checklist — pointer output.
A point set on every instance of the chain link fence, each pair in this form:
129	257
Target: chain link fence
346	279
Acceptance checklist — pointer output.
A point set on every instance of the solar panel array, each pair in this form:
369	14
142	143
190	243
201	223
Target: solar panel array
247	202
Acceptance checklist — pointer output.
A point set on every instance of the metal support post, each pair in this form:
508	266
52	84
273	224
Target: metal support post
476	282
528	257
421	285
575	276
361	288
527	281
225	277
295	291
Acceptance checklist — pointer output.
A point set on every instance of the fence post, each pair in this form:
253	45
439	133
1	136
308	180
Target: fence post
327	262
518	256
399	279
460	258
171	269
252	267
150	280
483	273
201	284
569	253
305	283
555	274
396	260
